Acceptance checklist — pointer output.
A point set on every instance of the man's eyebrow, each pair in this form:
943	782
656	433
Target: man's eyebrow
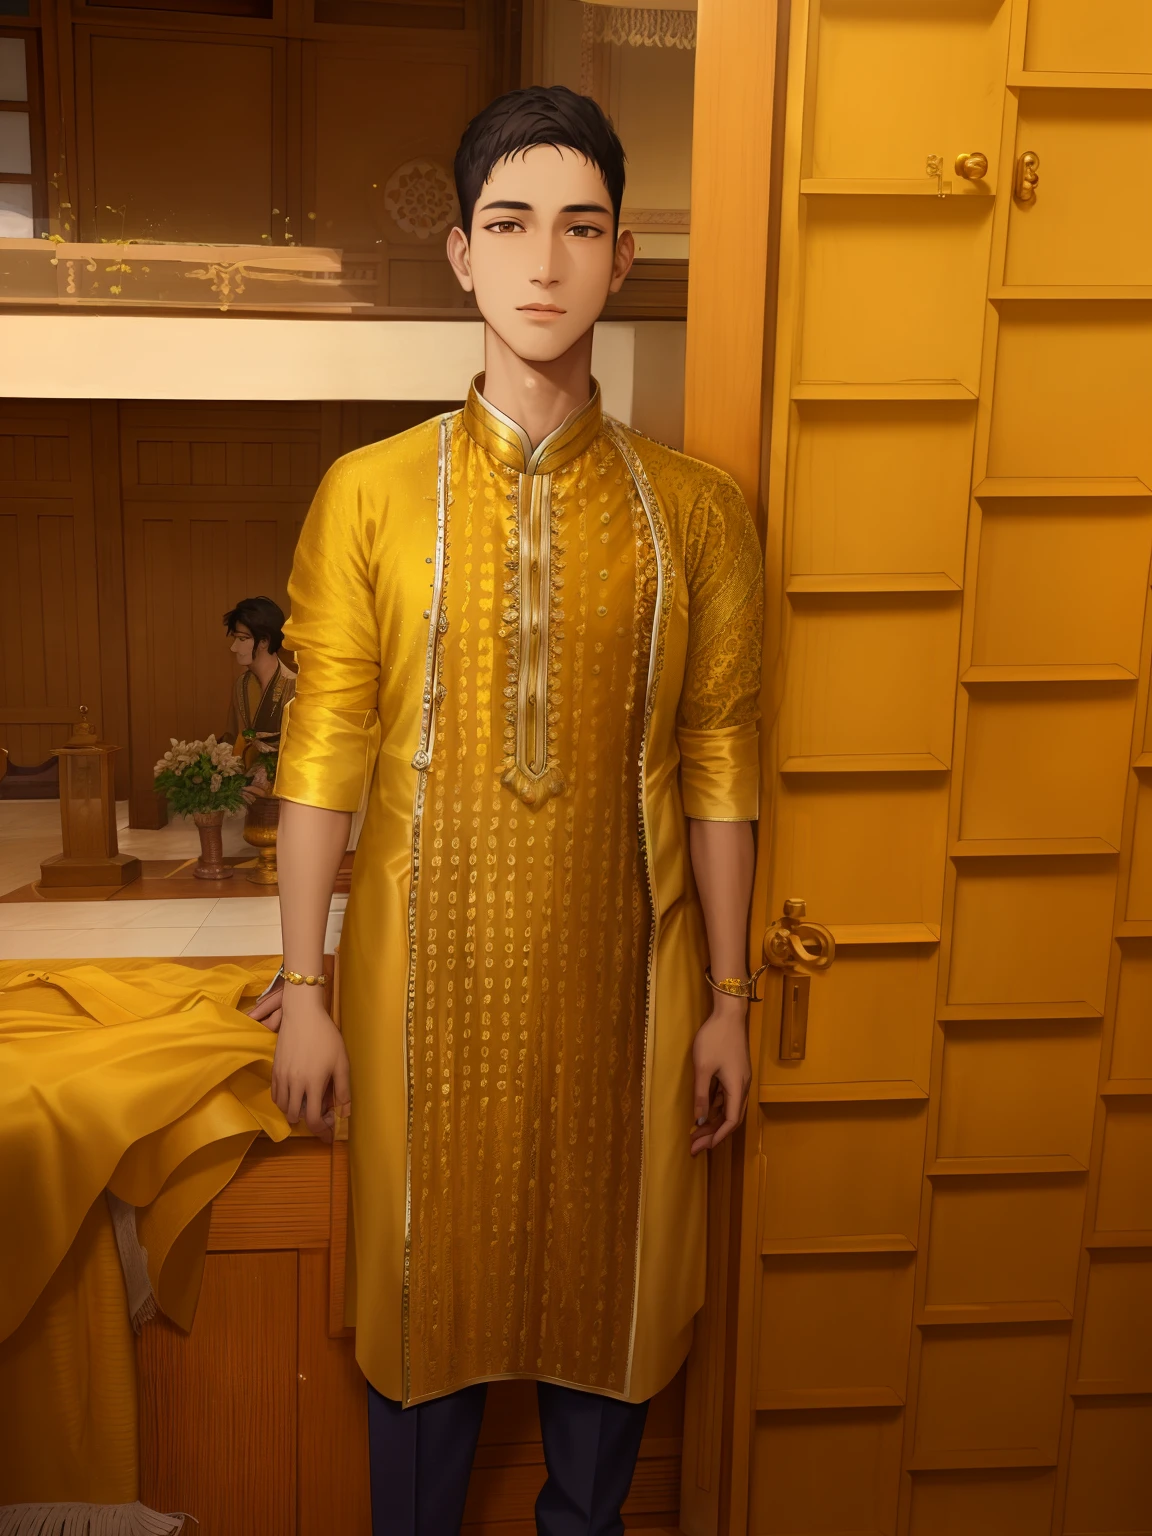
527	207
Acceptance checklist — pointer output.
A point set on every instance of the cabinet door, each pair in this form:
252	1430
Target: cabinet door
946	1223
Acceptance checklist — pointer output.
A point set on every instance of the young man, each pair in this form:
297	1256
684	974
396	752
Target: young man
534	636
264	687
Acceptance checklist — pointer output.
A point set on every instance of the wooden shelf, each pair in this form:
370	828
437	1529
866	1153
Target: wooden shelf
885	933
1081	672
1119	1239
838	1093
1127	1088
890	762
1112	1388
1122	486
1143	761
1072	293
1010	1013
1028	847
815	1398
993	1312
867	1242
981	1460
894	186
895	581
934	389
1005	1167
1069	80
1134	930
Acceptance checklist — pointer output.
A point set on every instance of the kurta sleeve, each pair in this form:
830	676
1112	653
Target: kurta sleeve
717	727
328	740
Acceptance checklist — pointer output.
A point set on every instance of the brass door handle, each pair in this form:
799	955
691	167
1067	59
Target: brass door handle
792	943
972	166
801	950
1027	177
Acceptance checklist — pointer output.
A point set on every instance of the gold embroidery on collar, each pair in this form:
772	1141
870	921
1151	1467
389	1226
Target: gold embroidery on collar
500	436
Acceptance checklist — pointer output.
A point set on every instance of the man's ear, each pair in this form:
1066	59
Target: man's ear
460	258
622	261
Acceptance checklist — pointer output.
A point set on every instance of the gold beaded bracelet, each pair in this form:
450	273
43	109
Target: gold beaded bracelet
299	980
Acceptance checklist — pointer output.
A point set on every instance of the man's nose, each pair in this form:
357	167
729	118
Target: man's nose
545	275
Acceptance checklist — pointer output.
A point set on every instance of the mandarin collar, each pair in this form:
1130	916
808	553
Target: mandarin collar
500	436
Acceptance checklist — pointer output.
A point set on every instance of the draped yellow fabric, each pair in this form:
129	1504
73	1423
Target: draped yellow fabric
536	662
138	1076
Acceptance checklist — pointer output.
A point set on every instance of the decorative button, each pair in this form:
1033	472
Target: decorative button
601	610
421	759
603	575
427	613
427	559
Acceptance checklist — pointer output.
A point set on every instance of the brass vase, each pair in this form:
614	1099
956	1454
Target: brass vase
260	831
211	865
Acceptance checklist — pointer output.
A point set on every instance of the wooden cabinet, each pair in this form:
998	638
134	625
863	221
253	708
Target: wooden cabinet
256	1421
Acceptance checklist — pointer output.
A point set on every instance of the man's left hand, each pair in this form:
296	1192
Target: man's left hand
723	1073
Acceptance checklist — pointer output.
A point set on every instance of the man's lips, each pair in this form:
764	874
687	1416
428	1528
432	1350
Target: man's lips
541	309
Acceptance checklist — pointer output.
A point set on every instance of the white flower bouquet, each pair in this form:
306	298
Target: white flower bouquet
201	776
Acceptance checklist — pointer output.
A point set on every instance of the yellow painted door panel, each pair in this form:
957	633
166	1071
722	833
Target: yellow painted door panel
944	1322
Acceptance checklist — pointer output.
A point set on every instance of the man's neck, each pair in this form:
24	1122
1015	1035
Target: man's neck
538	397
264	667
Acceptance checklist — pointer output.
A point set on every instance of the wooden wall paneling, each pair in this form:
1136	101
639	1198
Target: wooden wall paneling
369	112
213	500
108	513
733	116
49	656
218	1406
181	135
733	105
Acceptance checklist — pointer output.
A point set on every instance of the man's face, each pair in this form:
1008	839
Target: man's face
243	647
541	258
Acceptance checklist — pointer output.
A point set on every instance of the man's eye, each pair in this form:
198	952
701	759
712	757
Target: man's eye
502	226
585	231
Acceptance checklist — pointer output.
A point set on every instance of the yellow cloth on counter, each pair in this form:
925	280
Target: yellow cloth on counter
138	1076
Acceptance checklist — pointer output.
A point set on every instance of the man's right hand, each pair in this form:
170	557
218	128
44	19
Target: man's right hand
310	1068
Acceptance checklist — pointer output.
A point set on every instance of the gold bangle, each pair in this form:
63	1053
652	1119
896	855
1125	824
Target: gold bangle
299	980
732	986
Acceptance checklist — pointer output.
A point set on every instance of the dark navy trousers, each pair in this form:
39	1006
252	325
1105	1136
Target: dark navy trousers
421	1459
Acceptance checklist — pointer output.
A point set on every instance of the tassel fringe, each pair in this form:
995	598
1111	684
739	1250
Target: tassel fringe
87	1520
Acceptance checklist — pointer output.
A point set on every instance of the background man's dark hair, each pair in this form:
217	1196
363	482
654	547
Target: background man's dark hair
539	114
261	617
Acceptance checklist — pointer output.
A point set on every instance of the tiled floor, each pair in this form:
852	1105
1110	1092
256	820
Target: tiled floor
95	930
30	832
80	930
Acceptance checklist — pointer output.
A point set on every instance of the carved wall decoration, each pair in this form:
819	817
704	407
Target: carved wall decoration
421	197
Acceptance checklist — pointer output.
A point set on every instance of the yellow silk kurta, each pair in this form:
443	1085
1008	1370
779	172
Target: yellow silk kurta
539	663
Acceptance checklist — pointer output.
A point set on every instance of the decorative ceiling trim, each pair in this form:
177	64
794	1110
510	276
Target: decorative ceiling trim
639	26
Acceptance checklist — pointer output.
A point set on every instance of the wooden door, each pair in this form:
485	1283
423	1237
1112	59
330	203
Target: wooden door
945	1248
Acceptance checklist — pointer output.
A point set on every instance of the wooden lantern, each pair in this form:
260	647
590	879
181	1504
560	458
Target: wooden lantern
91	854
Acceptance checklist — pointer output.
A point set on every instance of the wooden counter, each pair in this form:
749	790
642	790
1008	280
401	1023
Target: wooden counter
256	1421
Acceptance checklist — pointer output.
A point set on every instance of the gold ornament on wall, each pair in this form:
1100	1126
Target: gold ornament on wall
421	197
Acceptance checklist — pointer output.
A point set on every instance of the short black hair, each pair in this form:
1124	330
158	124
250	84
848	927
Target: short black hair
261	617
538	114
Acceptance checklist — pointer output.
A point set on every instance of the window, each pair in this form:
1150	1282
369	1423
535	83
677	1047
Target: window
16	177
